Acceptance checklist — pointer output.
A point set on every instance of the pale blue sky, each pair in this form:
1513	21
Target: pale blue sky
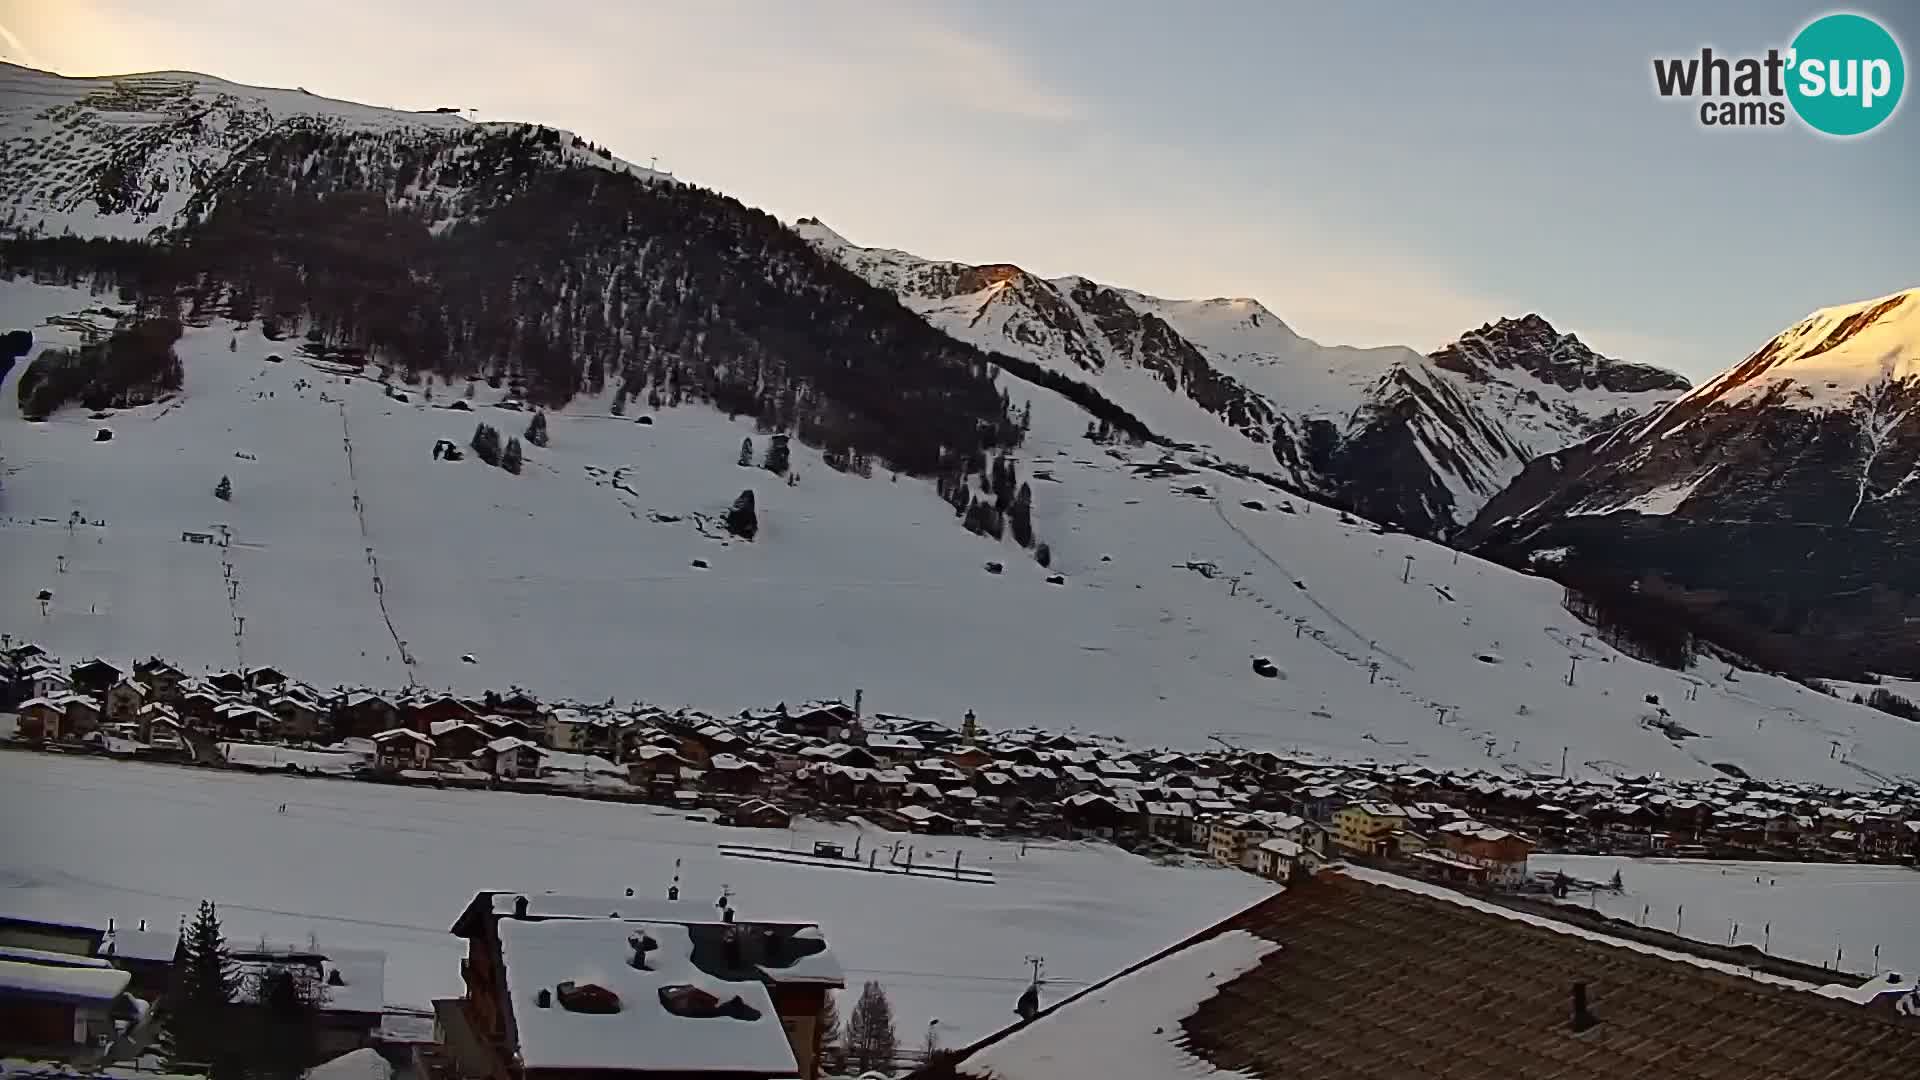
1373	172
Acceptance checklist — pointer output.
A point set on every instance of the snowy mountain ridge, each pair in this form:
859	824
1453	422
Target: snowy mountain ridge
1416	440
123	156
1776	501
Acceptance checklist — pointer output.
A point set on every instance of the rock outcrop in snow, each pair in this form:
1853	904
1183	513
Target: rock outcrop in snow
1776	502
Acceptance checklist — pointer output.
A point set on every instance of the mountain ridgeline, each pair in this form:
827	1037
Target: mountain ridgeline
486	252
1417	441
1771	510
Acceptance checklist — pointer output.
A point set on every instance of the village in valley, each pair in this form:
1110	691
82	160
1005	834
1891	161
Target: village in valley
1256	809
93	988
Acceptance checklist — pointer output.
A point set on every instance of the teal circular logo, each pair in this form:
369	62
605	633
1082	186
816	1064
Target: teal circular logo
1845	74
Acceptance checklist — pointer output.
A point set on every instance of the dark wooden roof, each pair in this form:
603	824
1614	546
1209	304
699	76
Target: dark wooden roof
1373	982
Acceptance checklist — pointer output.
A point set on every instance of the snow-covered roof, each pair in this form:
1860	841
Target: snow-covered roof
143	945
1128	1029
1282	846
362	1064
643	1033
25	955
508	743
90	985
392	734
1382	877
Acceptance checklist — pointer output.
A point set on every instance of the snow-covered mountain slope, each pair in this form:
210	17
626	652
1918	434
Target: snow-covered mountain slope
577	577
122	156
1778	498
1419	441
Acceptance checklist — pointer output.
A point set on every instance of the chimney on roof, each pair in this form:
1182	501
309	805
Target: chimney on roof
642	944
1582	1018
519	907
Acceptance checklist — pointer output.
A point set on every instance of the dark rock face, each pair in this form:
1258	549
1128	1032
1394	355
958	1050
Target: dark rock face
1532	345
1776	509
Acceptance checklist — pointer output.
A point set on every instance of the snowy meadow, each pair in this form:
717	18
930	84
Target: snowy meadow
372	866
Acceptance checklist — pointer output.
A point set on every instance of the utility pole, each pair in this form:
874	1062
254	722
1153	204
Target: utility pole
1563	761
1406	575
1572	666
1373	672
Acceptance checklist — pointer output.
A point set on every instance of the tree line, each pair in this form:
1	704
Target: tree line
485	254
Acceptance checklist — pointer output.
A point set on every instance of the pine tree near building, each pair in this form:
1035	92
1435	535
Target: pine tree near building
511	457
871	1042
833	1039
537	430
204	983
223	490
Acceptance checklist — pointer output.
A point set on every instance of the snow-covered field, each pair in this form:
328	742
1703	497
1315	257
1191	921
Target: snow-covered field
1804	911
348	539
390	868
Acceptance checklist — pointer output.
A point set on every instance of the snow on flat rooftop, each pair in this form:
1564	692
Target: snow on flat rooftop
25	955
643	1033
88	984
361	1064
154	945
1128	1029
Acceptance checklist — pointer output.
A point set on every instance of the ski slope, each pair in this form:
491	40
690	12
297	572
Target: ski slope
378	867
354	550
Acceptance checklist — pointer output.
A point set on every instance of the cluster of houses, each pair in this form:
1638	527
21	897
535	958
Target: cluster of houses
1261	810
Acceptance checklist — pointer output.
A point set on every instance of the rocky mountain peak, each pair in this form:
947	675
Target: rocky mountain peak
1532	345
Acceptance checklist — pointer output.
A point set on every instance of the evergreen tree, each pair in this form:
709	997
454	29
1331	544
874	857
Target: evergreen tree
742	521
536	431
833	1047
777	457
871	1042
746	452
510	458
203	989
982	518
223	490
1043	554
1020	516
486	443
620	401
